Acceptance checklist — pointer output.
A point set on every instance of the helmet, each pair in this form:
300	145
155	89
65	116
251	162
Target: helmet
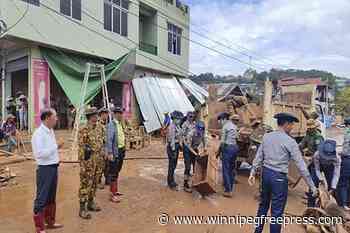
176	115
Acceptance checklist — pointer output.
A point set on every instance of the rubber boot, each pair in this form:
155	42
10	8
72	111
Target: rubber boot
47	214
113	189
51	220
83	212
117	188
92	206
39	223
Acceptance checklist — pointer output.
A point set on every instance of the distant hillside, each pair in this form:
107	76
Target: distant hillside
259	78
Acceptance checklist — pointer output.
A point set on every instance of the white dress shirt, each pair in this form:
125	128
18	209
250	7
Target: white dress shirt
45	149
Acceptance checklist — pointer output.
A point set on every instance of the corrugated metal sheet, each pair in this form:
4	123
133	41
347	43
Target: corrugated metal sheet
197	91
158	95
150	117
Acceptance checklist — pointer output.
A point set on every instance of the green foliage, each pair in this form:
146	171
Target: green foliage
273	74
342	101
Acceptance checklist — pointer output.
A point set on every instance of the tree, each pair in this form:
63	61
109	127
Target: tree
342	101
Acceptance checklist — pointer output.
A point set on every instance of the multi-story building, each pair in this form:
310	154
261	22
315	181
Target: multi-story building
48	43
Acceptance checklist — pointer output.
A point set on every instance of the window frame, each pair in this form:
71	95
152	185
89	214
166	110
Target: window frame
71	9
121	8
174	39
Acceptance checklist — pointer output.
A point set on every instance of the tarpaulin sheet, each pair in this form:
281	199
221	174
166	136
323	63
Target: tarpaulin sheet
158	95
197	91
69	70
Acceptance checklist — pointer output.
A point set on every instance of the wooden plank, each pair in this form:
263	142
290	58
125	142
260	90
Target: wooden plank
205	176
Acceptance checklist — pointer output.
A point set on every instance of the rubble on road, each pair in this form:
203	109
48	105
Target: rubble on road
327	208
5	176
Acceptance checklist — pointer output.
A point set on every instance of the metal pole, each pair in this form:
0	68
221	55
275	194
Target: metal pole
3	77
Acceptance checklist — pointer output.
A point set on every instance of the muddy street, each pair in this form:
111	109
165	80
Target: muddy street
146	197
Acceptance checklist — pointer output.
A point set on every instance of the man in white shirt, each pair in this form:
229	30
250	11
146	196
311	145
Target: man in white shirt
45	151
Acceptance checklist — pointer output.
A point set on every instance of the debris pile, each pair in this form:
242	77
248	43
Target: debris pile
5	176
327	208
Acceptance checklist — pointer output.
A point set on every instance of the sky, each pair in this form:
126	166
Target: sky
296	34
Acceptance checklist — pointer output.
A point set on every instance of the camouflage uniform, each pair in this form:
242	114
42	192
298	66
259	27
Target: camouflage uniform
101	162
89	169
311	142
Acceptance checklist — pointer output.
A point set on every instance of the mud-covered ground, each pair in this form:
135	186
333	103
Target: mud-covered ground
146	197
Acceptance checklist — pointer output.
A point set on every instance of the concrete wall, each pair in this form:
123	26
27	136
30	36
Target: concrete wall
46	27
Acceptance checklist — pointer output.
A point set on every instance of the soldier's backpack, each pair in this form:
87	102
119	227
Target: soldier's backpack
327	150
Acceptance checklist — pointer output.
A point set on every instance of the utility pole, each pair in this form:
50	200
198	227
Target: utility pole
3	77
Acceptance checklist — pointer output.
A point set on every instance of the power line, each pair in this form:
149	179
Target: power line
186	38
257	56
182	70
17	22
208	38
134	42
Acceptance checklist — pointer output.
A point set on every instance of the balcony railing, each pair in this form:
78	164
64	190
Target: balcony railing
148	48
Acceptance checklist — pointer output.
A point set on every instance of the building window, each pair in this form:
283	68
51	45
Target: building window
34	2
116	16
71	8
170	1
174	39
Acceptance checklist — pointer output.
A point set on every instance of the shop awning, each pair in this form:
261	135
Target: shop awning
158	95
69	70
197	91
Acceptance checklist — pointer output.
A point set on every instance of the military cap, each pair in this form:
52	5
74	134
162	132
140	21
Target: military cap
103	110
286	116
22	97
9	98
177	115
190	114
118	110
223	115
91	111
347	121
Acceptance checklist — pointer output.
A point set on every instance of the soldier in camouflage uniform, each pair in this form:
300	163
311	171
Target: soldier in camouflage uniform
309	146
91	143
103	114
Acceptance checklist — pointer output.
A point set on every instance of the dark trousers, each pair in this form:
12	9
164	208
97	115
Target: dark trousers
328	172
46	187
344	182
189	160
229	155
172	157
121	156
274	191
115	166
112	170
